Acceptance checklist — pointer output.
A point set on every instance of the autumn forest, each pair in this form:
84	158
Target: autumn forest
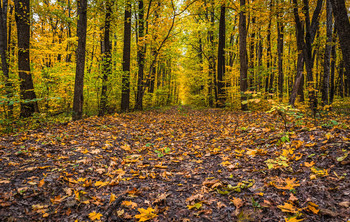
174	110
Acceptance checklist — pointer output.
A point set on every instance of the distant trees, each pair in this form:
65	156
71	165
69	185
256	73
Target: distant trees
243	54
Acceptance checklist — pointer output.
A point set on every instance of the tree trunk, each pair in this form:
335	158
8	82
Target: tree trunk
280	45
78	101
4	55
333	59
341	18
221	60
243	55
107	61
125	104
211	59
140	58
29	104
327	55
304	43
268	53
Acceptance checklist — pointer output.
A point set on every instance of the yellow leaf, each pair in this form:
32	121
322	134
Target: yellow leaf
237	202
251	152
94	216
309	164
41	183
112	199
196	205
288	208
312	207
226	163
100	184
129	204
145	214
293	219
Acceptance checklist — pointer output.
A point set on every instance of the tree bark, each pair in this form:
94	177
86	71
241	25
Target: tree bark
125	104
107	60
221	60
280	45
333	59
211	59
29	104
140	57
243	55
304	43
4	55
269	55
327	55
78	101
343	27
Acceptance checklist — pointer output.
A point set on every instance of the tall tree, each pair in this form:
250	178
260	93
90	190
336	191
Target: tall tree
210	16
107	60
140	57
78	102
327	54
4	52
305	38
243	54
126	58
343	27
29	104
280	44
221	60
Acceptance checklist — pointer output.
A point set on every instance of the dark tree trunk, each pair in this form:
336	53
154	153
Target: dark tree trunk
333	59
80	61
107	60
126	59
140	58
280	45
211	79
243	55
341	79
268	54
221	60
327	56
4	54
251	55
304	43
23	34
69	56
341	18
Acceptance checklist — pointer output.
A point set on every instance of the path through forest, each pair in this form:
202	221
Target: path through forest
178	164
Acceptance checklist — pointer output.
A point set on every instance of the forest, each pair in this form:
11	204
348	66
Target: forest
175	110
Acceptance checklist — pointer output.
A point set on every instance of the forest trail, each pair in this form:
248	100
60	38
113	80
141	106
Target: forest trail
177	164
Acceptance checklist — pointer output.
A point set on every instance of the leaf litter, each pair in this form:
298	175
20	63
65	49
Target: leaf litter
176	164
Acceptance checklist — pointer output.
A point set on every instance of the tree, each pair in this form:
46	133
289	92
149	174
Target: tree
280	45
107	60
343	27
243	55
221	60
327	55
80	61
140	57
126	58
29	103
304	44
4	52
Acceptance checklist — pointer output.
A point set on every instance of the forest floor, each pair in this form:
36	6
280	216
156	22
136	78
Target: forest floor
178	164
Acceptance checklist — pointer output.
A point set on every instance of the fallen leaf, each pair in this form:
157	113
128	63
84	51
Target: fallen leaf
237	202
145	214
95	216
